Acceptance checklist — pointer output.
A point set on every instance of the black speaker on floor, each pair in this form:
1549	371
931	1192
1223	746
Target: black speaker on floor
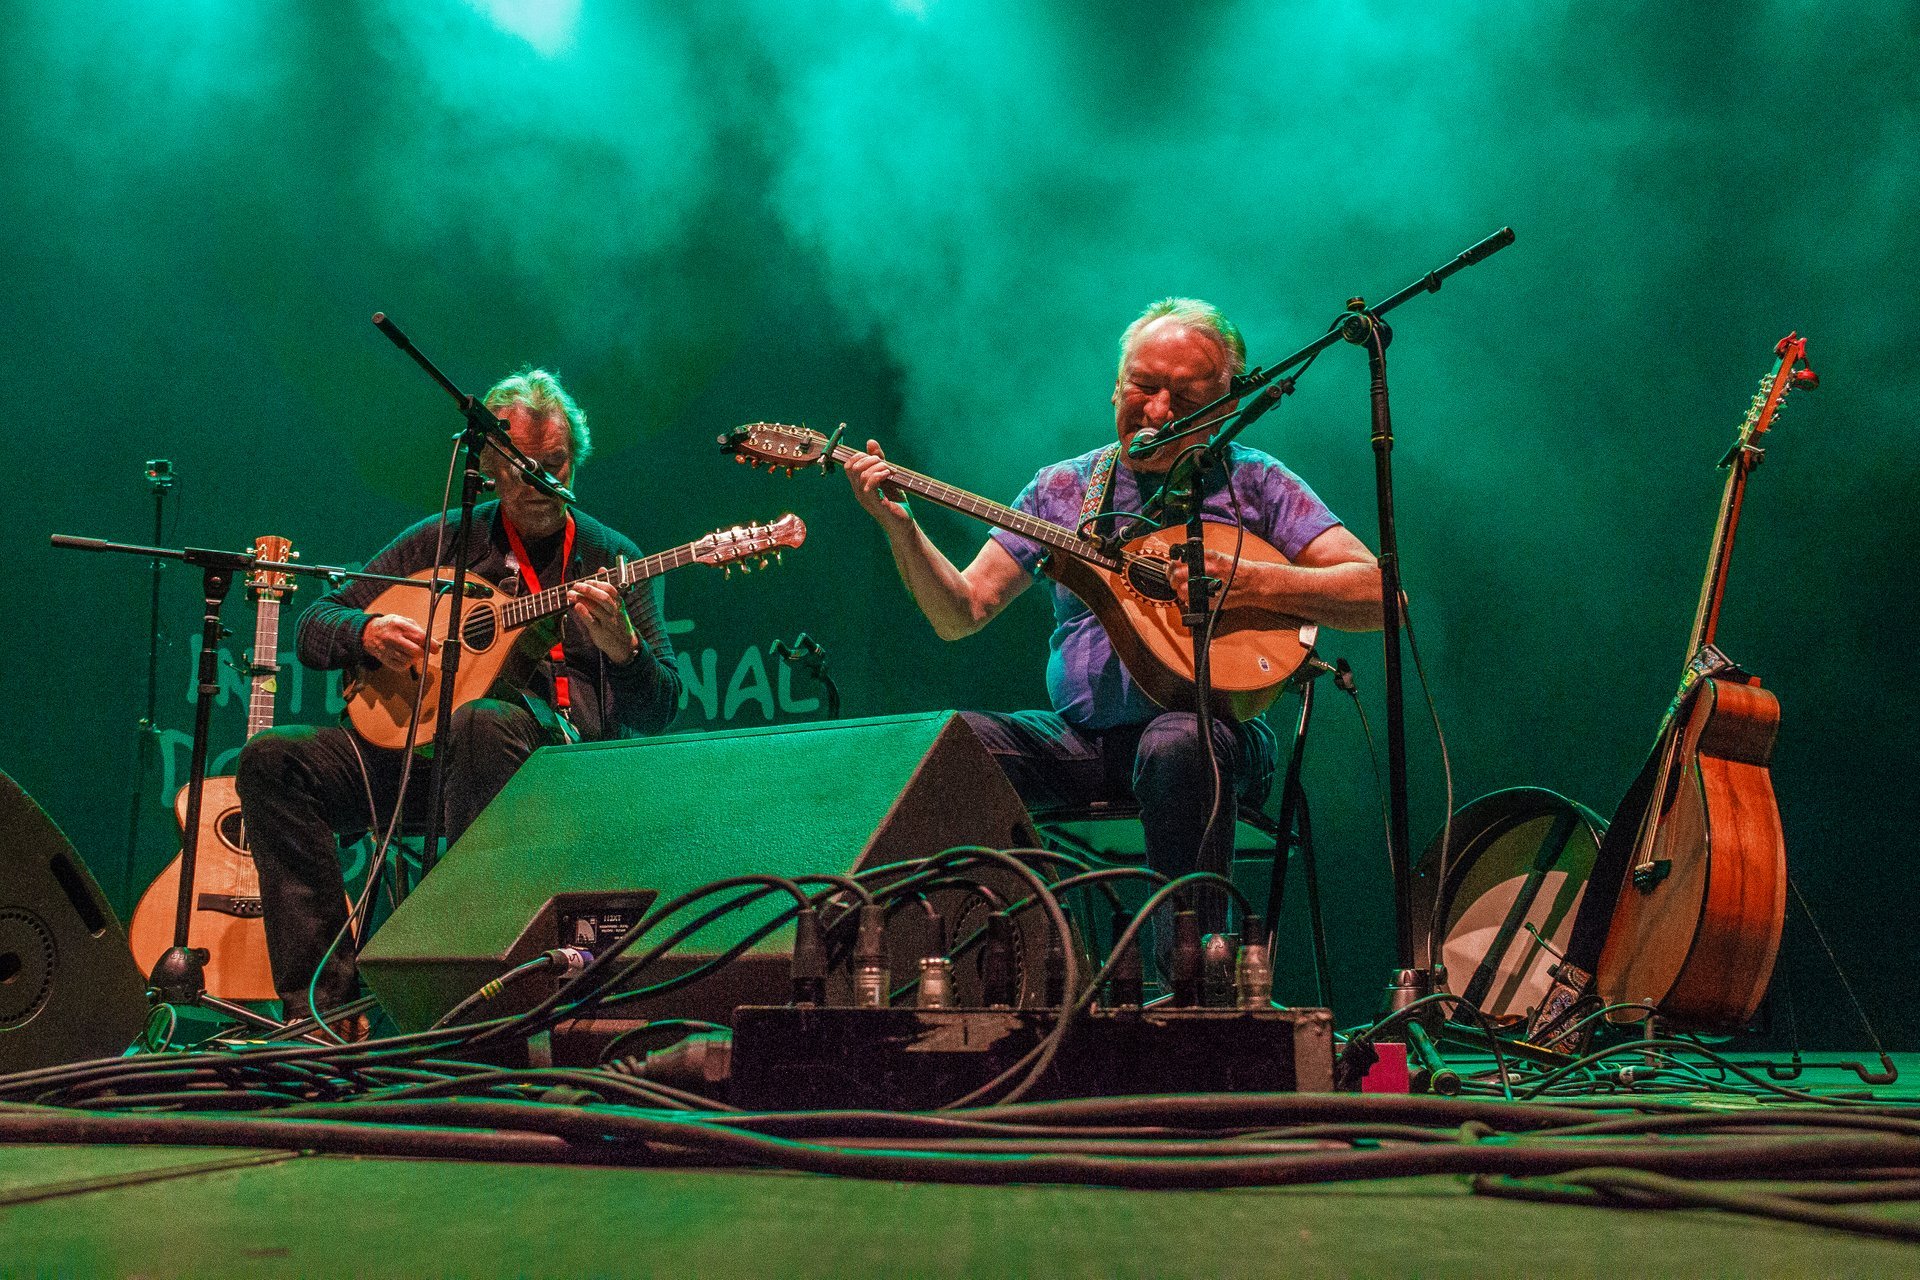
69	988
670	814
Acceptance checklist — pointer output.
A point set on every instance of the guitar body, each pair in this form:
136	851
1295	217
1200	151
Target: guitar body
227	915
1253	653
380	700
1699	932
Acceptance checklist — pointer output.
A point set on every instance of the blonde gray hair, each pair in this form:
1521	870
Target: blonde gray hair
542	394
1192	313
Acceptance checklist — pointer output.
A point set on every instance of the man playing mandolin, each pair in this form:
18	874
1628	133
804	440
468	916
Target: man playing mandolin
1105	738
611	675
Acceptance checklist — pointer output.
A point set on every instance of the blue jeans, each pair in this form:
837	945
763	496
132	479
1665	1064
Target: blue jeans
1158	765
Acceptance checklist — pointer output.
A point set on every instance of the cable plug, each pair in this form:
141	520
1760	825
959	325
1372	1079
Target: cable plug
1127	984
1187	975
936	983
998	987
1054	982
569	959
872	980
1253	967
809	959
1218	957
701	1063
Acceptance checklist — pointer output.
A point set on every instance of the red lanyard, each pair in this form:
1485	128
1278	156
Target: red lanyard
561	697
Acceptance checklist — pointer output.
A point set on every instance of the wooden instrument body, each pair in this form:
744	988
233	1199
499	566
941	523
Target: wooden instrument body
227	916
1700	941
1254	650
494	656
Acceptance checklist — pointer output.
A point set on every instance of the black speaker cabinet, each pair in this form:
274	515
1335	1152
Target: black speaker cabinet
69	988
670	814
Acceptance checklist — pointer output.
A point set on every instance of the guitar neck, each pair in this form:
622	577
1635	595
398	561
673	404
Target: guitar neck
1740	462
265	666
1044	532
520	611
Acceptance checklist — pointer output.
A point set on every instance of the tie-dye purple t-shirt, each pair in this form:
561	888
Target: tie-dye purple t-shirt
1085	680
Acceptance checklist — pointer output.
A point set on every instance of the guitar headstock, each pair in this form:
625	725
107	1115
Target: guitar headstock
1790	372
779	446
271	584
745	544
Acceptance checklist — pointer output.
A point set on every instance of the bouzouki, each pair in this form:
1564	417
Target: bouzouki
505	637
1696	926
1127	587
227	917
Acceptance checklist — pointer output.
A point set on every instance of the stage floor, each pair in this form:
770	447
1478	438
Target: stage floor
164	1211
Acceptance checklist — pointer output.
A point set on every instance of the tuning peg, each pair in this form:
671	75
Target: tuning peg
745	567
740	457
779	557
726	571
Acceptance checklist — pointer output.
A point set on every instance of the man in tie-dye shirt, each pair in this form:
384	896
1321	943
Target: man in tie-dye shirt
1105	738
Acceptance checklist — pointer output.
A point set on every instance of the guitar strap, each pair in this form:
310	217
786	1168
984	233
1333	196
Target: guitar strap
562	693
1099	489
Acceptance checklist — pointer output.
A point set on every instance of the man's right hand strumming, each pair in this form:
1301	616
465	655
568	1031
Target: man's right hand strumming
394	640
884	502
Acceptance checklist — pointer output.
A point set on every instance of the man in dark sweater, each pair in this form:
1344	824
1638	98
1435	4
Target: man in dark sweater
611	676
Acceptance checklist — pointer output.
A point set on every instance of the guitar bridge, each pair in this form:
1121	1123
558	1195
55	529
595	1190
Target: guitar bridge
248	908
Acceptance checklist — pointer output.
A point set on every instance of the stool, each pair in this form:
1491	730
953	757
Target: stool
1109	831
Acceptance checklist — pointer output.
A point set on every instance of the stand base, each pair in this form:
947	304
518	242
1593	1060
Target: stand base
179	976
1405	987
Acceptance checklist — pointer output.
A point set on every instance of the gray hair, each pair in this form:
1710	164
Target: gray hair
542	394
1201	317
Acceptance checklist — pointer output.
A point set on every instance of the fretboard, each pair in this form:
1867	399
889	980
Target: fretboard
265	666
518	611
1044	532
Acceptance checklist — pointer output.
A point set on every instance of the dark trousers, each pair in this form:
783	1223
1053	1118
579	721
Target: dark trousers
1158	765
303	787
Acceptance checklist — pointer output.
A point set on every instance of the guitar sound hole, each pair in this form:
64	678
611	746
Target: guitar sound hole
479	627
1149	578
232	830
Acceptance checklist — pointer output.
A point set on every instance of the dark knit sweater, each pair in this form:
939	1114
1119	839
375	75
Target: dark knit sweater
609	700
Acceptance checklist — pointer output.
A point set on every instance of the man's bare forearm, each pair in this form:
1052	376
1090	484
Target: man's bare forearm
1345	596
936	586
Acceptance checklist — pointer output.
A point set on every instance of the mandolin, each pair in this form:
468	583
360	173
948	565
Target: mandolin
505	637
227	917
1696	925
1127	587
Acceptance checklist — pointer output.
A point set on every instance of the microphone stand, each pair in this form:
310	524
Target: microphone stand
482	431
810	656
159	475
179	976
1360	324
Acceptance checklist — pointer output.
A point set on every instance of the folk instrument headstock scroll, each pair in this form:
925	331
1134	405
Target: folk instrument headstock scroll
780	447
271	584
759	543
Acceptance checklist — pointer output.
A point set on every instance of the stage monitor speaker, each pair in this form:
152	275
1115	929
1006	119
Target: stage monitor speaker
672	813
69	989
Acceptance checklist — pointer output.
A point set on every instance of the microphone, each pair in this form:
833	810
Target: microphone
1145	442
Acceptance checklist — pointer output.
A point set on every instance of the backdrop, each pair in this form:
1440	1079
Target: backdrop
930	221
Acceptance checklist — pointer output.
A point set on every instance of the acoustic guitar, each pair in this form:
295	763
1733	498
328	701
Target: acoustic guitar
227	917
503	638
1696	927
1128	588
